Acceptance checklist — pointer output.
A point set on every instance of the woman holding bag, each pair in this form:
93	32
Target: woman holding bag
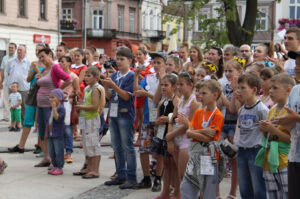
49	79
72	90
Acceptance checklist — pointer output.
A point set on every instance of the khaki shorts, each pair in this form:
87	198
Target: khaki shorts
90	138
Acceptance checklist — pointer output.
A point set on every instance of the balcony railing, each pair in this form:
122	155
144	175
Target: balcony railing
154	34
129	35
101	33
67	26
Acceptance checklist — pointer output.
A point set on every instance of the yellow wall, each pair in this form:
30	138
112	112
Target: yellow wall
173	42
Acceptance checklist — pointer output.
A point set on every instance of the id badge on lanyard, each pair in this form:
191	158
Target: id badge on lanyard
113	112
161	131
81	122
206	166
152	111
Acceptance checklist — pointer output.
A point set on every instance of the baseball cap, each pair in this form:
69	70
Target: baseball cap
158	54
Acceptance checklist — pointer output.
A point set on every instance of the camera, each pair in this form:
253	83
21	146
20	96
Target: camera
277	48
110	63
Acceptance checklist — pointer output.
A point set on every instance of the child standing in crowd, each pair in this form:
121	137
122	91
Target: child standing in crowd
89	122
174	64
119	89
206	71
205	128
15	101
250	177
160	146
55	131
273	156
3	165
147	89
266	74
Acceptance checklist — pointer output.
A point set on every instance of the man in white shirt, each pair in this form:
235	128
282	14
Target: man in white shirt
3	80
17	70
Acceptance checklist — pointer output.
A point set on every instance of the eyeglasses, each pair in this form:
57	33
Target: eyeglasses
244	51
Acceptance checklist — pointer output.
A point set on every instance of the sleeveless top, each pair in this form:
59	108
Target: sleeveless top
46	85
88	100
187	107
164	110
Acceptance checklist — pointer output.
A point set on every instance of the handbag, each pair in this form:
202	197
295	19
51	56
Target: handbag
31	99
228	149
74	112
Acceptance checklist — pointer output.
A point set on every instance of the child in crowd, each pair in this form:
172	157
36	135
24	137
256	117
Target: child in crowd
174	64
147	89
160	146
273	156
55	131
232	69
250	177
266	74
255	68
119	89
291	122
15	101
205	128
206	71
89	122
3	165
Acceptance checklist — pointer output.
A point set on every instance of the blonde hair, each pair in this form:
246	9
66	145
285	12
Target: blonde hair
212	85
233	64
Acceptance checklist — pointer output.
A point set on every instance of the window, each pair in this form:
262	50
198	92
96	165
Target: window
262	19
98	19
131	19
43	9
121	18
158	22
2	6
294	9
144	20
178	32
168	30
151	20
67	13
204	15
22	8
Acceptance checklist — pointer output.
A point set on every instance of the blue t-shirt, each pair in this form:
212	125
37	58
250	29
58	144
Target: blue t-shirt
125	82
294	104
150	84
58	126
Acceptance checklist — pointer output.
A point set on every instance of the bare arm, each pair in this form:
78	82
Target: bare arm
95	105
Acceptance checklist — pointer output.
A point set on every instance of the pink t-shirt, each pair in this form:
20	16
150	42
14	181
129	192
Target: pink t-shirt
46	85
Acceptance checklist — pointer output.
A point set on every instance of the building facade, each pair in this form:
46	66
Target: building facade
103	23
20	25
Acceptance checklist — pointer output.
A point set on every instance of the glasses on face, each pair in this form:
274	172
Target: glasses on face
244	51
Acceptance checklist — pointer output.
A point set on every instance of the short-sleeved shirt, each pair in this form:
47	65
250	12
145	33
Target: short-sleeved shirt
248	121
5	60
294	104
217	120
14	99
283	159
125	82
289	66
57	126
150	84
17	72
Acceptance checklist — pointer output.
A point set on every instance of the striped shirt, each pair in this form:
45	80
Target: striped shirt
46	85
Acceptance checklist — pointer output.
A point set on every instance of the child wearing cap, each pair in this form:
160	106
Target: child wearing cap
55	131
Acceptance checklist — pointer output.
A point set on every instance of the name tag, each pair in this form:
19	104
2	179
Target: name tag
206	166
113	112
161	131
152	114
81	122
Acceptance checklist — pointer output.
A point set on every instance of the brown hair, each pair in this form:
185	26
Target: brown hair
270	48
294	30
93	71
267	72
284	79
200	56
234	64
212	85
252	80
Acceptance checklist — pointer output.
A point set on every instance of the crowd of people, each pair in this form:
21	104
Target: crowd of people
200	116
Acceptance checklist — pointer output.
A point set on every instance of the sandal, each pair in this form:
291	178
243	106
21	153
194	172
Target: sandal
43	164
79	173
90	176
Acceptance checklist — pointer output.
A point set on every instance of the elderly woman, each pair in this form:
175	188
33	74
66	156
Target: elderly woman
230	51
48	79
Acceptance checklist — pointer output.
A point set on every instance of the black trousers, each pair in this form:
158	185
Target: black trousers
294	180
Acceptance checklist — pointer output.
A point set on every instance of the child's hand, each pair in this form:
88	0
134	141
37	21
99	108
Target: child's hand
289	120
265	126
137	71
107	82
140	93
234	82
53	104
163	120
210	132
38	76
183	119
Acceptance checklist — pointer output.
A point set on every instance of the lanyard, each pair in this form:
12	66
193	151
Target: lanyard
209	116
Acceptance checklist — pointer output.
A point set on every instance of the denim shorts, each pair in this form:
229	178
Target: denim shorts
228	130
43	116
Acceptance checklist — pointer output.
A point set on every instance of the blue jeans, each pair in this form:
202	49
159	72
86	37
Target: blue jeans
43	116
68	135
251	181
56	151
121	131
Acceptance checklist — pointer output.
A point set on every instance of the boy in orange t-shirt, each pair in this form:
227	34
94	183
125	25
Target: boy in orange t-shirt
205	128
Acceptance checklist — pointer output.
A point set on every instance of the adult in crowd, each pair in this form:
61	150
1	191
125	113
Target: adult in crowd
291	43
61	50
49	79
17	70
184	51
89	54
264	53
229	52
215	55
196	59
246	53
30	111
3	80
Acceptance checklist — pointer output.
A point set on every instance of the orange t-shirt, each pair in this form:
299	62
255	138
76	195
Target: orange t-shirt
217	120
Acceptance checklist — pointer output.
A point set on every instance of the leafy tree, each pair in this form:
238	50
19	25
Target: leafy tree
226	27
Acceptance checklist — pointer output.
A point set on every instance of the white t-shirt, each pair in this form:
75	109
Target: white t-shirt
289	66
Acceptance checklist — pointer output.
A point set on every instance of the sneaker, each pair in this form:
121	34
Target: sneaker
156	185
128	184
116	181
37	150
11	129
16	149
51	170
69	158
57	172
144	184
